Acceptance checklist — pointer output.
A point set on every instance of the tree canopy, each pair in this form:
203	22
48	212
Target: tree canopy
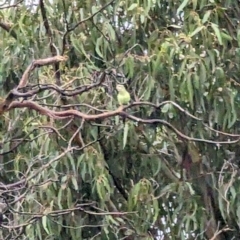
77	165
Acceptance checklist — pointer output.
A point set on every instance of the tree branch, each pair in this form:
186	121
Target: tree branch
52	47
7	27
119	111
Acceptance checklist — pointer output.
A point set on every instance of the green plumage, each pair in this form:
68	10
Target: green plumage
123	96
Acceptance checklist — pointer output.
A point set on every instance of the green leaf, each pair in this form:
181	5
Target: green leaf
156	210
206	16
80	160
212	58
129	66
142	18
166	107
203	73
233	118
219	73
44	223
182	68
198	29
72	161
97	48
226	36
238	214
100	188
194	3
217	32
133	6
74	182
59	198
182	6
196	82
69	198
125	134
172	87
190	90
111	32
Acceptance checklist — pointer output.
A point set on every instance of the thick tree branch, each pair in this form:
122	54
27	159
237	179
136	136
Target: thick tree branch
24	80
69	93
38	63
119	111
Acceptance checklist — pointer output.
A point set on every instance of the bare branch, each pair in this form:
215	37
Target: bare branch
10	6
119	111
39	63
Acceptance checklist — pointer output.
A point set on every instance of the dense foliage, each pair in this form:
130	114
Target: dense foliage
75	164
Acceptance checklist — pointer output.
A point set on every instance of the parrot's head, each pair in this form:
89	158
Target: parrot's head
120	88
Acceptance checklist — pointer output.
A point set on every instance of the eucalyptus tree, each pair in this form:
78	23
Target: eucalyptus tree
76	164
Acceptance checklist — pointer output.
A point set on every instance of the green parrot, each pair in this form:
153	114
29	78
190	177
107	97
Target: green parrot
123	96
